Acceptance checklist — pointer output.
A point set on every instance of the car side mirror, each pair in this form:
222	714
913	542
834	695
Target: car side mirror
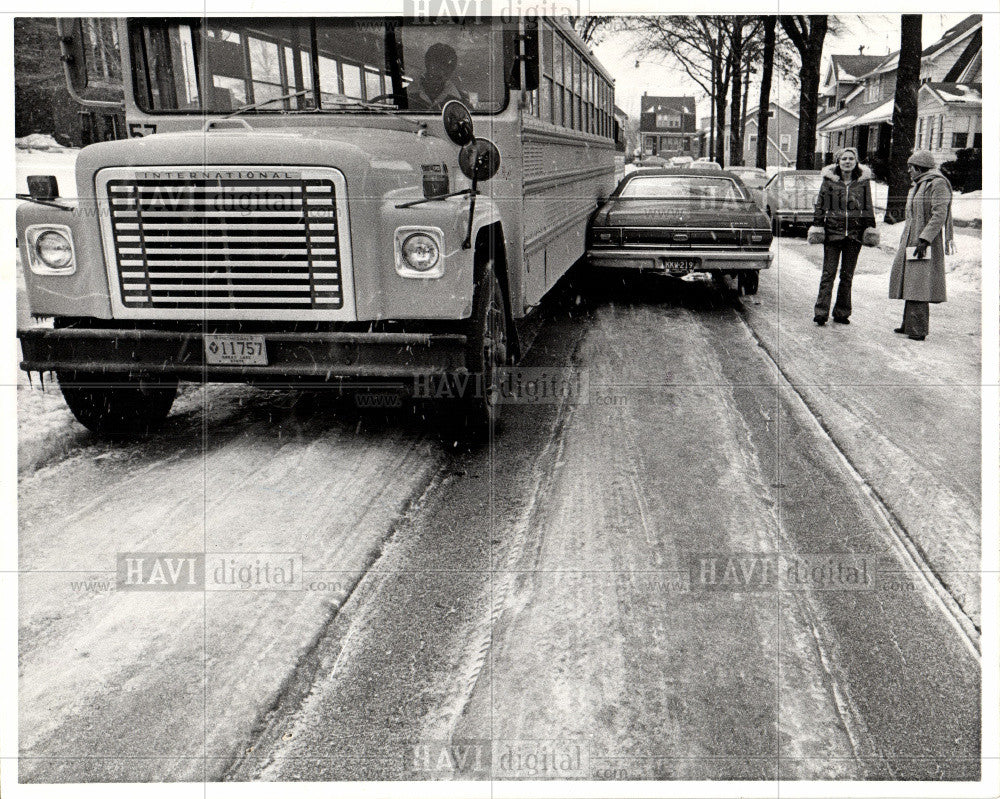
601	199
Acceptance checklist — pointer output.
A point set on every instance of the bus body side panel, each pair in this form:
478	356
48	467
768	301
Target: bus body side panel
565	172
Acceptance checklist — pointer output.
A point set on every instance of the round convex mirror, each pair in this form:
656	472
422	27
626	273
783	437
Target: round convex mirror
457	122
479	159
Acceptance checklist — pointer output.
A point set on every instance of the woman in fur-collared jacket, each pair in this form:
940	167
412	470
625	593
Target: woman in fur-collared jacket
844	211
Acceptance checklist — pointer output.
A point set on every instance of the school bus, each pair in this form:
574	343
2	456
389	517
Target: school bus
324	199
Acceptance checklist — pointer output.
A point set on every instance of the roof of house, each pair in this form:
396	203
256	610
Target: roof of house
752	115
956	93
949	38
651	103
852	67
954	33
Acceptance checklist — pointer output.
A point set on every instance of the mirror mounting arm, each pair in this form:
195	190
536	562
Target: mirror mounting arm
467	244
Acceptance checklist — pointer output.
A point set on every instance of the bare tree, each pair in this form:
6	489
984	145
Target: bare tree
807	34
699	44
904	115
765	91
735	67
591	29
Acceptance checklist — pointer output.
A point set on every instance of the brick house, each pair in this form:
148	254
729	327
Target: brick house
667	126
863	118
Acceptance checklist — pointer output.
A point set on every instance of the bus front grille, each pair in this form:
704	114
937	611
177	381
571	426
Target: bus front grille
230	244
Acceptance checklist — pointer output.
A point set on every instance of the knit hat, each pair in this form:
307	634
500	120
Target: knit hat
922	158
845	151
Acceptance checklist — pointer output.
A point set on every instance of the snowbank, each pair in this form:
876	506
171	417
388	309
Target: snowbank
38	141
964	266
967	207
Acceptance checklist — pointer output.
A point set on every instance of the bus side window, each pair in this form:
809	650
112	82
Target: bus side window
547	88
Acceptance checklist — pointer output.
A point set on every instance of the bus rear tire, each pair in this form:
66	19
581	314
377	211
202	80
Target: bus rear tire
117	405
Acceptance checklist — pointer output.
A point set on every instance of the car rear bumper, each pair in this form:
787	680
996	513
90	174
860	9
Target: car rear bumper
322	356
666	260
794	217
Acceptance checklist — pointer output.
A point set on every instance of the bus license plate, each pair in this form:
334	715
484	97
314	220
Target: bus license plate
235	349
679	264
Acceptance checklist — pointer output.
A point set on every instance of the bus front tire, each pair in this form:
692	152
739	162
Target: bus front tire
117	405
487	352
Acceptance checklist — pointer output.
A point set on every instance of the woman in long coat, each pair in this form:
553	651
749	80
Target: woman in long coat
928	228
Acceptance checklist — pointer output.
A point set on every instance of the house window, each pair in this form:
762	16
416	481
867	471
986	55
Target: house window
920	133
940	132
958	140
930	133
786	142
668	121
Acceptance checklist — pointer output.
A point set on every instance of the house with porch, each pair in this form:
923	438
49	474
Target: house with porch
865	119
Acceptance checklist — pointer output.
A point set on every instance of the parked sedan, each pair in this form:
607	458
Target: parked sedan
680	221
789	198
753	178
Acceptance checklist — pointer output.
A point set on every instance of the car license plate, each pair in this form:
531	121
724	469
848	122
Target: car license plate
235	349
679	264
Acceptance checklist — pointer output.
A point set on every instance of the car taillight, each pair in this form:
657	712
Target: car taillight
607	236
756	238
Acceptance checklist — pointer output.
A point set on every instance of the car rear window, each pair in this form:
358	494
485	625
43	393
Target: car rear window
683	187
801	183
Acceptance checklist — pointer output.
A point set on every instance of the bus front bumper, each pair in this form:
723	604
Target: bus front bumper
284	357
679	261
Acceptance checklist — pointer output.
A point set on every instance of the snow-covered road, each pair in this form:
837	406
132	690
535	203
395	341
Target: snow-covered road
540	590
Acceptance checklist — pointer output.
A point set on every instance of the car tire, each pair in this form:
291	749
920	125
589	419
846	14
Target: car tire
748	280
116	405
775	225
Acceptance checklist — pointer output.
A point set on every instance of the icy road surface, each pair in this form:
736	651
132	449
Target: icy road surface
549	595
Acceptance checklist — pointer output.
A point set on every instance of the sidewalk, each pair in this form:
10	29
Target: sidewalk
905	413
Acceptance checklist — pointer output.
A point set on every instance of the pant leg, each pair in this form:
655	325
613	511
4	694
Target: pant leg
851	249
916	318
831	258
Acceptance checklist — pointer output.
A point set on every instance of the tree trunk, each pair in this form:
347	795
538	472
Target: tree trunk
721	92
711	121
808	41
735	113
745	106
904	116
765	91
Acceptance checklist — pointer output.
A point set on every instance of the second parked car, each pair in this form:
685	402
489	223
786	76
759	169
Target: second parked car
789	199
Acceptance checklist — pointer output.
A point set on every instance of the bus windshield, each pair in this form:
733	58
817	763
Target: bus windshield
221	66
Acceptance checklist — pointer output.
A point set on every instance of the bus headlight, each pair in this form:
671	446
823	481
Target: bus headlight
419	252
50	250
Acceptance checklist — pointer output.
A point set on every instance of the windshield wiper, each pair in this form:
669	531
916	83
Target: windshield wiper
255	106
345	102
